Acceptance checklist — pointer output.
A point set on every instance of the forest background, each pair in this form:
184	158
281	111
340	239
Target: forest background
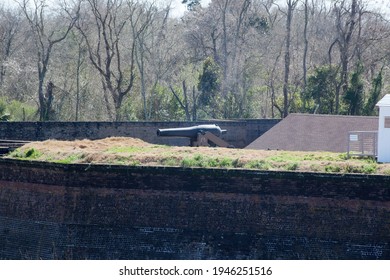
120	60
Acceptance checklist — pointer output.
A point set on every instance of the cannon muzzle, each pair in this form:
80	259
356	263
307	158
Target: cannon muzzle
192	131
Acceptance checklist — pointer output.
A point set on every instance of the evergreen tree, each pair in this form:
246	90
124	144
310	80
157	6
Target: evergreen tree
354	94
320	92
209	85
374	95
191	4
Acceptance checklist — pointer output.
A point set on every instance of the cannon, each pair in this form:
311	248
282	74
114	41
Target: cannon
200	135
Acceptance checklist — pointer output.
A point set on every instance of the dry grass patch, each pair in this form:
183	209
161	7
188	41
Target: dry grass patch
132	151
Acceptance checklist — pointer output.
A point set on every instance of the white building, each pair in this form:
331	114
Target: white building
384	129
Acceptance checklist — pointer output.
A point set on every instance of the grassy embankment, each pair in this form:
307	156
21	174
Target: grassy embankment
129	151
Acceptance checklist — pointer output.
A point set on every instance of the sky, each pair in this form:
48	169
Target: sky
178	7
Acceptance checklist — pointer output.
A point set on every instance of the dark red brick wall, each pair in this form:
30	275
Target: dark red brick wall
111	212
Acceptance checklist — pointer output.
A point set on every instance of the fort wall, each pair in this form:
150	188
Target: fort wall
77	211
240	133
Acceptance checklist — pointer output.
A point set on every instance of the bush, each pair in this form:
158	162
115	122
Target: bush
16	111
332	168
292	166
258	164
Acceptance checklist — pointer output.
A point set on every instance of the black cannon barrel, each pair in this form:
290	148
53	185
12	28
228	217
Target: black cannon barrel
192	131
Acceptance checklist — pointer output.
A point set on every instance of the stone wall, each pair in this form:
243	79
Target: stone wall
54	211
239	133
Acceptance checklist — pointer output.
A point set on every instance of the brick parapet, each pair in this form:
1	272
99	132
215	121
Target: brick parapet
207	213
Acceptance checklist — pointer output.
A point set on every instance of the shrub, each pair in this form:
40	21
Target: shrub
32	154
292	166
332	168
258	164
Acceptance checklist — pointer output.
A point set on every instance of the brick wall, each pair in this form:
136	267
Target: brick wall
239	133
53	211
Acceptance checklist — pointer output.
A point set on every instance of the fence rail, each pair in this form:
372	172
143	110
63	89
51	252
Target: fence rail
363	143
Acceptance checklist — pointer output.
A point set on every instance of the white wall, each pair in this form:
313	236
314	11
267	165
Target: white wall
383	135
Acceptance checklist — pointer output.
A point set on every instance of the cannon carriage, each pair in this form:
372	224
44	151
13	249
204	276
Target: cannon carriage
200	135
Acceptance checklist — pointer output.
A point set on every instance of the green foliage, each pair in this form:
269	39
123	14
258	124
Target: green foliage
16	111
170	161
322	85
320	92
259	23
354	94
164	106
130	149
70	159
4	116
3	106
131	110
191	4
195	161
232	106
363	168
209	162
161	105
374	95
165	156
332	168
292	166
28	154
297	103
22	112
209	82
284	157
258	164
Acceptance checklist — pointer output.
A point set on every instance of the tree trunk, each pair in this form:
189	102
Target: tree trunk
306	47
290	8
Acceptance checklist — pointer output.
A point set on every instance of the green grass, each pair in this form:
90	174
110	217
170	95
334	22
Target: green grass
128	150
69	159
29	154
258	164
134	149
199	160
324	162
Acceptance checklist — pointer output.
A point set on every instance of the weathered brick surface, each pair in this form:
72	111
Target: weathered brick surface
240	133
113	212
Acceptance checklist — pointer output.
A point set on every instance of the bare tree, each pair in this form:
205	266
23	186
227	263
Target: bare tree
291	5
306	43
45	37
103	37
184	104
9	28
143	16
345	21
266	54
